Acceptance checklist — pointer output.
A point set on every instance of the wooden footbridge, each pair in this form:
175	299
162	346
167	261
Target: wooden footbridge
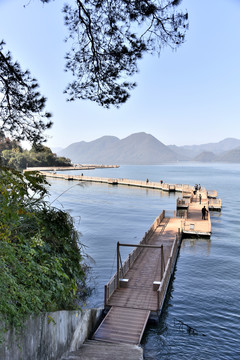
138	289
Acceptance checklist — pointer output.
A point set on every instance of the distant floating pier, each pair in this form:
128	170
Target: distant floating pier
138	183
186	190
67	168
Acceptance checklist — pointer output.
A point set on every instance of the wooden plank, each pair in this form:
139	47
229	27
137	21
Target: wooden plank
93	349
122	325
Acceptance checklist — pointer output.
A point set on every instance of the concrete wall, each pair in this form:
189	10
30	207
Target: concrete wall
42	339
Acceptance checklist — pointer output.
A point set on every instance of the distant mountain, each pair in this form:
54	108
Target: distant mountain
181	151
232	156
143	149
205	156
89	152
138	149
216	148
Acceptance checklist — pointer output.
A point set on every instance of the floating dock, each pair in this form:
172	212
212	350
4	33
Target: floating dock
187	191
137	291
67	168
127	182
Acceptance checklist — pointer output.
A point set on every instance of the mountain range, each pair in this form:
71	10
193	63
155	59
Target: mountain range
145	149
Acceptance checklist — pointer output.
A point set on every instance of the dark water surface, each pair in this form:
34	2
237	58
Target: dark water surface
205	292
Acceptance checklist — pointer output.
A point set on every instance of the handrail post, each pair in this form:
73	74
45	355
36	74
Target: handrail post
162	262
118	264
105	296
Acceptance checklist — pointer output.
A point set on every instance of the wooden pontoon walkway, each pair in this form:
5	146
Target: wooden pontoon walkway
138	289
146	273
71	168
186	190
127	182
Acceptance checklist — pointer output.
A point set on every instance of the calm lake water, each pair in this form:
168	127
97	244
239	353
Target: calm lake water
205	292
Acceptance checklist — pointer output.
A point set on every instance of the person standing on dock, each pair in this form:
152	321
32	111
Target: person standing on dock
200	198
204	212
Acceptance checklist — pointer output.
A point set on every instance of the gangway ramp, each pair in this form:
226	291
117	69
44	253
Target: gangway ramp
123	325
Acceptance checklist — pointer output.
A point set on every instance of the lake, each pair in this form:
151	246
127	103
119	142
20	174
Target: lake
201	317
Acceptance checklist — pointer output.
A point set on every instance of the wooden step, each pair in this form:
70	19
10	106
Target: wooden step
123	325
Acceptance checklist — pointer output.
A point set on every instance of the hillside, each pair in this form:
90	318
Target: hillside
232	156
89	152
205	156
138	149
143	149
216	148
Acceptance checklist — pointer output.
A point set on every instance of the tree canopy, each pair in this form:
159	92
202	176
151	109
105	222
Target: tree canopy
13	155
22	114
108	39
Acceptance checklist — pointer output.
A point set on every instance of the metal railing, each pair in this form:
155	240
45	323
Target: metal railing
112	285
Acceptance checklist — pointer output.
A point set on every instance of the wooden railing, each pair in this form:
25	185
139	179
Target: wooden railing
112	285
168	271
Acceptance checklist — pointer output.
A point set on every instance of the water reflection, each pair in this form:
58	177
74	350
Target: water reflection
196	246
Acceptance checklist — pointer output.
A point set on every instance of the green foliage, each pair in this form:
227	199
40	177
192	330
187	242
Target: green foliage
21	105
43	156
15	157
42	268
108	40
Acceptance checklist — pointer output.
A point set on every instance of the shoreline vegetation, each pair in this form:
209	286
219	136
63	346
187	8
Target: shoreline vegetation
42	261
14	156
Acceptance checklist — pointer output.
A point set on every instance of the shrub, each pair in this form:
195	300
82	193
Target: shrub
41	262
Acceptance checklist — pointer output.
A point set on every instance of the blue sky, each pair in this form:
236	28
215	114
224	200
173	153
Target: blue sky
188	96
